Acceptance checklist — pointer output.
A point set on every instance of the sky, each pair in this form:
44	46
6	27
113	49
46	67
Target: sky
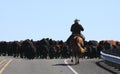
38	19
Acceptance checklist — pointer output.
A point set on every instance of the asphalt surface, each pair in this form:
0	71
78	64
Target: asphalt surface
9	65
93	66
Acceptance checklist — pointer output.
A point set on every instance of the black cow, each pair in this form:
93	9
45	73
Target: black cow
28	50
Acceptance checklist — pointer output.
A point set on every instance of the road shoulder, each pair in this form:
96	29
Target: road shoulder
111	69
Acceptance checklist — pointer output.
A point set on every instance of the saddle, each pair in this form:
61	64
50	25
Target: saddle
72	36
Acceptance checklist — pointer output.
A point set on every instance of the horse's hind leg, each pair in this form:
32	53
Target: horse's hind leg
72	58
77	59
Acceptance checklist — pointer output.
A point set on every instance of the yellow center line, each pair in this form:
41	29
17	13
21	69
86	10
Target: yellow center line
2	61
4	66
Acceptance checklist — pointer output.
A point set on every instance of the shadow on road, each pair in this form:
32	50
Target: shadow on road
63	64
104	67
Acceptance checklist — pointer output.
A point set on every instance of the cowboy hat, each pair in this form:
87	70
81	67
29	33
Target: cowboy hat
76	20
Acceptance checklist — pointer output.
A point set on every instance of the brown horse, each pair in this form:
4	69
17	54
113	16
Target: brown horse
75	45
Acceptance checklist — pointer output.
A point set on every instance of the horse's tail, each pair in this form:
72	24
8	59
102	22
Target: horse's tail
80	43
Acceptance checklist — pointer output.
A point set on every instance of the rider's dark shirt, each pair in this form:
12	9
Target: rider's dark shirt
76	28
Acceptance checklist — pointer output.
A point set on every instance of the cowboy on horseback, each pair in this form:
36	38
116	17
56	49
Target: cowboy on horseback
76	29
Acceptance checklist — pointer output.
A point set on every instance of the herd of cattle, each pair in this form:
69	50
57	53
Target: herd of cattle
48	48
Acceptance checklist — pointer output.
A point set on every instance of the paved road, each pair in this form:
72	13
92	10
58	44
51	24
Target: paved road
93	66
10	65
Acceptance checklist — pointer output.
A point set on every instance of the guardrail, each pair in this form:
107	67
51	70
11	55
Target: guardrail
111	60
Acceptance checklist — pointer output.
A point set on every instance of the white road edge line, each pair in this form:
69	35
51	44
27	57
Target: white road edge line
65	61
